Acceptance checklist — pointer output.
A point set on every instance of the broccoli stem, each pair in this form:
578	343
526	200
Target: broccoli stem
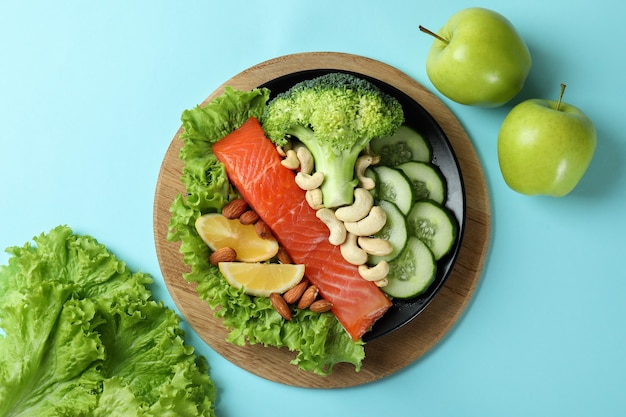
339	182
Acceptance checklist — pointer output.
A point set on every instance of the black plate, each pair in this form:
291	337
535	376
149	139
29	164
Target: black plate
417	117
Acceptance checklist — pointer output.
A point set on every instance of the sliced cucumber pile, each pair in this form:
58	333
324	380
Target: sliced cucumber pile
420	228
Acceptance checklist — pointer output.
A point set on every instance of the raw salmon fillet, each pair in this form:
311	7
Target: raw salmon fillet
254	167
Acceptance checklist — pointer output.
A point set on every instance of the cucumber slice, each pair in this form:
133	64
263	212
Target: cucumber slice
394	231
406	144
426	180
394	186
411	273
434	225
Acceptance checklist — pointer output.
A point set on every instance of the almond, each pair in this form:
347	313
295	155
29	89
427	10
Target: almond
235	208
263	230
308	297
248	217
280	305
283	256
321	306
292	295
225	254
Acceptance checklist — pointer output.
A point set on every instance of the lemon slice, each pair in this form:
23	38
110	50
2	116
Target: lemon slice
218	232
261	279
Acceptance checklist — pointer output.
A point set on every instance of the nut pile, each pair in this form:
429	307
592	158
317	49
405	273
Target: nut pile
239	209
304	295
350	227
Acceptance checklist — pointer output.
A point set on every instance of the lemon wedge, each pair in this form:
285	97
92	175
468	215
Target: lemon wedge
218	232
261	279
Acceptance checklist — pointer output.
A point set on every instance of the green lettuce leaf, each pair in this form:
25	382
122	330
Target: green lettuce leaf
81	335
319	339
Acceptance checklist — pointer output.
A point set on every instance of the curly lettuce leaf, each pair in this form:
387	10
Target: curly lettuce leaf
203	176
319	339
81	335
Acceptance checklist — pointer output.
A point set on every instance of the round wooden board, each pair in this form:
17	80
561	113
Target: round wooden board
384	355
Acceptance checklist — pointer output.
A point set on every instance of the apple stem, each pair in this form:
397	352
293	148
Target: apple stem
433	34
558	103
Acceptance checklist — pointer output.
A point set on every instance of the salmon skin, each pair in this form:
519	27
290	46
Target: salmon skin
254	167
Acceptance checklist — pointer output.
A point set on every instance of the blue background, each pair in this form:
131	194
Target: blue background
91	95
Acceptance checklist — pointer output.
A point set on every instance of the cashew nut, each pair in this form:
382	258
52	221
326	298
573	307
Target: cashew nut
362	163
306	159
337	229
363	203
282	149
375	246
309	182
382	282
314	198
291	160
368	151
351	252
371	224
374	273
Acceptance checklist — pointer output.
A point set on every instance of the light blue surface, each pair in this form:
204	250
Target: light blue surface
91	95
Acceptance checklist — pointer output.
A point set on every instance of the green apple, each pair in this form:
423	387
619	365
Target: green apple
478	58
545	147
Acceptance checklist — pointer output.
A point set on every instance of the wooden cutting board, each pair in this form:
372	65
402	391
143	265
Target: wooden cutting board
384	355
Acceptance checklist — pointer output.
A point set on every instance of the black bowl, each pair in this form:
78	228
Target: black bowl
404	310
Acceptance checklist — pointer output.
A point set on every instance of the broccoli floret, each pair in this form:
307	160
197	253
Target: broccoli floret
335	116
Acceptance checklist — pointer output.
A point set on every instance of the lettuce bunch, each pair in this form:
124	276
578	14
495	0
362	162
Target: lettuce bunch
80	335
319	339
